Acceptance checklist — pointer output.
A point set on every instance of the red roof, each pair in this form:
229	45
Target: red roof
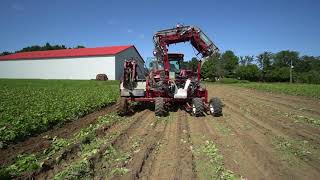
81	52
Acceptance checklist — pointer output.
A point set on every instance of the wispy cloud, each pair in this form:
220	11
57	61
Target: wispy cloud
129	30
17	7
141	36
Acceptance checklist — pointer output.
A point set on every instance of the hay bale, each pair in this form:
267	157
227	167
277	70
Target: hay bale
101	77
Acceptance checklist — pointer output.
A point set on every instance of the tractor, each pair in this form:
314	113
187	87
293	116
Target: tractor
168	83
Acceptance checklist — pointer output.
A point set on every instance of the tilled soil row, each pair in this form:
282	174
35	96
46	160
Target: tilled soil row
246	134
72	154
173	158
149	135
137	142
274	117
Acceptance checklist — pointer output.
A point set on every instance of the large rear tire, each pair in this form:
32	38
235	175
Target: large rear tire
215	107
159	107
122	107
197	107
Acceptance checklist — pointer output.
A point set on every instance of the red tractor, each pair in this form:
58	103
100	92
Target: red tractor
167	83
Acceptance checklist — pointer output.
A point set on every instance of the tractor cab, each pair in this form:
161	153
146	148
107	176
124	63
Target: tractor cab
175	61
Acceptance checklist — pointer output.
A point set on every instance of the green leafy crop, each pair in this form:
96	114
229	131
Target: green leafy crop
29	107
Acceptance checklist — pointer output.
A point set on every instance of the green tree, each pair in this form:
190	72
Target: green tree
279	74
307	63
249	72
193	64
308	70
264	61
211	68
230	62
246	60
311	77
284	58
5	53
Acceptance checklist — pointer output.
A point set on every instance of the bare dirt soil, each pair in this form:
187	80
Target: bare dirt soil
260	136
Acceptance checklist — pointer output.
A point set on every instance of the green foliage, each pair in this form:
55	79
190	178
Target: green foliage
267	67
246	60
79	46
5	53
264	61
212	165
311	90
231	81
79	170
59	143
212	68
230	62
290	148
284	58
279	74
249	72
311	77
309	120
46	47
29	107
193	64
22	164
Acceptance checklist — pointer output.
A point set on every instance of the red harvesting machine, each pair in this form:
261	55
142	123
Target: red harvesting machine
167	84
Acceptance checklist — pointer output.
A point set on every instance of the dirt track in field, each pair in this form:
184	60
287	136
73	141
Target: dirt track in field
254	121
258	136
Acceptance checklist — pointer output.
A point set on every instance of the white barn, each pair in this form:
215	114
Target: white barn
83	63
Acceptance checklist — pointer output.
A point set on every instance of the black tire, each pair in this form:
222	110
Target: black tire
215	107
159	107
197	107
122	106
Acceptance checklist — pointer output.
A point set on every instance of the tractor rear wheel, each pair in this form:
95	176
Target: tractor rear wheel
215	107
159	107
197	107
122	107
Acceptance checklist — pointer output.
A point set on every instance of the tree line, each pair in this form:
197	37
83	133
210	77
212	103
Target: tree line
265	67
45	47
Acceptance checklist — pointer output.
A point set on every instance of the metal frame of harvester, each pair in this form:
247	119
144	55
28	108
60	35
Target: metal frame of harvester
164	85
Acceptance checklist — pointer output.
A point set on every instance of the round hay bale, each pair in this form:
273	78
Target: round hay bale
101	77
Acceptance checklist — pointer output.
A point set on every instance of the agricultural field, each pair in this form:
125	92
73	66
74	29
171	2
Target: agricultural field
28	107
310	90
261	135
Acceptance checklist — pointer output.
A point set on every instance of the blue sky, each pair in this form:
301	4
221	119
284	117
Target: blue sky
247	27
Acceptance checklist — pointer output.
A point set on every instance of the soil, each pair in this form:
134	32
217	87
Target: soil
247	136
39	143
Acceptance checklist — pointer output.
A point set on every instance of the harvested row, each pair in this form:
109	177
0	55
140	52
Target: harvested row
259	142
173	158
73	156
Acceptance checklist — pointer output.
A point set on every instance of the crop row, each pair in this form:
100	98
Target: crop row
28	107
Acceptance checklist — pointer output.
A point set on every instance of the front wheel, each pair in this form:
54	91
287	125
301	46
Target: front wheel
197	107
159	107
215	107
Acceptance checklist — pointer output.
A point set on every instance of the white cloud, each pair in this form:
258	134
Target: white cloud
141	36
129	30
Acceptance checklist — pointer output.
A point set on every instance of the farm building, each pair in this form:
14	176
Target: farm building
83	63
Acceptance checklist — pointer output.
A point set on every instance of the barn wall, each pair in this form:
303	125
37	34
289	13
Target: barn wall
62	68
128	54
